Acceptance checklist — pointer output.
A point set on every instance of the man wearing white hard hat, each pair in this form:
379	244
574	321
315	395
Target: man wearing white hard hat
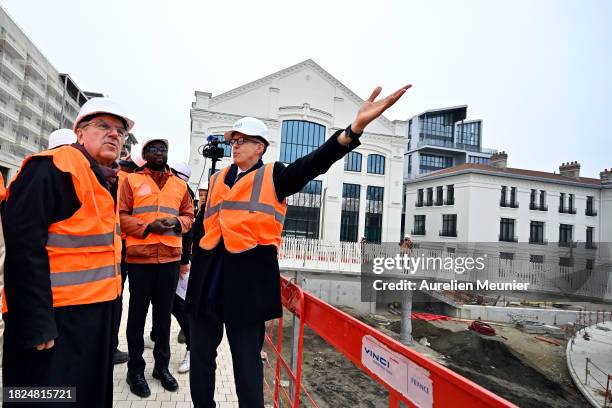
61	137
236	281
63	250
155	210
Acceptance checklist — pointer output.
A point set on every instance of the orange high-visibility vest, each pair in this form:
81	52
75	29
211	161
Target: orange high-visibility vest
2	188
84	250
151	203
246	215
122	176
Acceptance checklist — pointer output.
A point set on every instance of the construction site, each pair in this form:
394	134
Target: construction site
523	361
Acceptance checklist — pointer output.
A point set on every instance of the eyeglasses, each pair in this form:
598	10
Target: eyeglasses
155	149
105	127
240	141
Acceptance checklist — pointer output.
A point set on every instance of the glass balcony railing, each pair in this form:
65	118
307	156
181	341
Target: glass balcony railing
429	141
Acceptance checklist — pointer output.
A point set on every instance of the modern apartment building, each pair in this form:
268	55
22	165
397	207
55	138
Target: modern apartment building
442	138
35	99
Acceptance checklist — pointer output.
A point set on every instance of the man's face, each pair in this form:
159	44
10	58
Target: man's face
248	152
102	137
156	153
202	195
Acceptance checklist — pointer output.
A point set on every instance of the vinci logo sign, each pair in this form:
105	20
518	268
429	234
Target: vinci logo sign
401	374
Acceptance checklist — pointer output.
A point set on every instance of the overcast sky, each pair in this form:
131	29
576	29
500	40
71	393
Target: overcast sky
539	73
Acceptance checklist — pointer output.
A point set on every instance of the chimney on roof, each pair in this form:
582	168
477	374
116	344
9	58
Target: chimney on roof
570	169
499	160
606	176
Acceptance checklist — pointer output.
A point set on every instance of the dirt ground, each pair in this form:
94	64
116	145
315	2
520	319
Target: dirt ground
522	369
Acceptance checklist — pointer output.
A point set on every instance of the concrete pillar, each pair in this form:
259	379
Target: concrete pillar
406	322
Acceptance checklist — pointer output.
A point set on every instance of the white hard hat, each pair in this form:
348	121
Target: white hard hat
407	236
182	170
61	137
136	156
148	140
251	127
102	106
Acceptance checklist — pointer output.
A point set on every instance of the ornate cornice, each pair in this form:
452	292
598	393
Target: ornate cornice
288	71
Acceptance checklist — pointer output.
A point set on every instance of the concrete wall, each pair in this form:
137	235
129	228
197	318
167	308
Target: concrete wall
500	314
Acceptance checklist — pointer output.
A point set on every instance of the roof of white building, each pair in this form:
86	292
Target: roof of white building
511	172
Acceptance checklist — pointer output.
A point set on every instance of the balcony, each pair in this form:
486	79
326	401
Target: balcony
506	238
53	103
590	245
7	135
538	207
32	105
12	45
13	67
589	212
567	244
30	126
447	233
563	210
35	86
8	87
56	87
27	142
8	112
51	120
536	241
429	141
36	69
511	204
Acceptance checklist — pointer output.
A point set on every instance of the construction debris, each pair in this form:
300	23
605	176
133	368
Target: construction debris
533	327
547	340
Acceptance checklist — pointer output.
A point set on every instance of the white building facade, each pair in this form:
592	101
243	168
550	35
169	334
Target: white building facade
483	203
303	105
35	99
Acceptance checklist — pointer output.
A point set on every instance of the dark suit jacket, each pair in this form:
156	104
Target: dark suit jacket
249	291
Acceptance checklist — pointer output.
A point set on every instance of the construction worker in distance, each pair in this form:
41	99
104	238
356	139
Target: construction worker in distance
155	211
62	261
61	137
235	279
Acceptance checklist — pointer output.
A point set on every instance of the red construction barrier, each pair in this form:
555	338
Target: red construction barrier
408	376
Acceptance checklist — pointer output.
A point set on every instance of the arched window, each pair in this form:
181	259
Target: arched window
376	164
352	162
298	138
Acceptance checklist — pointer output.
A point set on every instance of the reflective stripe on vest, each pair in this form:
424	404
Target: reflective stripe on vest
151	203
246	215
85	249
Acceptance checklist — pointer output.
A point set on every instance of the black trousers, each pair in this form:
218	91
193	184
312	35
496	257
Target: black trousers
155	284
81	357
245	343
119	309
178	311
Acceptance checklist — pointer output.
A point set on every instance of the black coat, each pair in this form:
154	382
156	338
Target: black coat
250	280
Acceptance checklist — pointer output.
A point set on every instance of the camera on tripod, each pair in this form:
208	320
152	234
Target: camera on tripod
212	150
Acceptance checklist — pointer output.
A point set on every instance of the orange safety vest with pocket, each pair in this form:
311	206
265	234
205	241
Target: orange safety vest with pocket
246	215
84	250
151	203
